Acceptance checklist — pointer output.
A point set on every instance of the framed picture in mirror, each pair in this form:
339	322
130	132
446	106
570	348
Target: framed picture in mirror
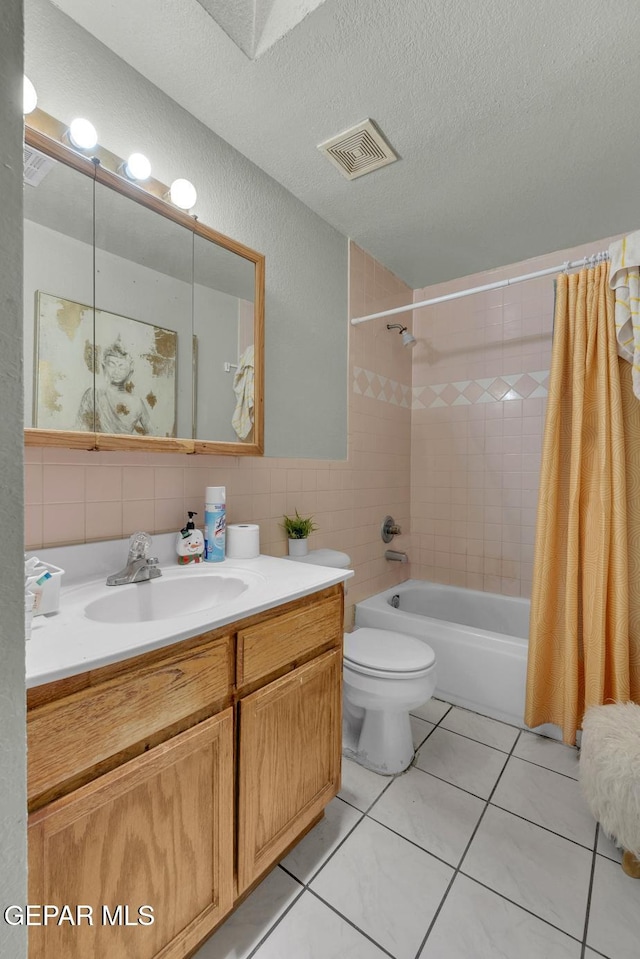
100	372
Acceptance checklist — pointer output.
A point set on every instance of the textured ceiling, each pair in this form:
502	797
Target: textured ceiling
515	122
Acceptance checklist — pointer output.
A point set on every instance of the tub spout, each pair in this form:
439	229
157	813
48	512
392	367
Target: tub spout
394	554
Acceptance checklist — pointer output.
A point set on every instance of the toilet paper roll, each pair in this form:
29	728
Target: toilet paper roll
243	541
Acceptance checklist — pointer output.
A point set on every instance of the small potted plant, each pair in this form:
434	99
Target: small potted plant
298	529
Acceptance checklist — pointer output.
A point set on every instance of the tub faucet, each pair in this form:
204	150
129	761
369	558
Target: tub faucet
396	555
140	568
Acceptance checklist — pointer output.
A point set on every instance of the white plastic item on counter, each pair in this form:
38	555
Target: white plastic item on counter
29	600
243	541
215	524
43	580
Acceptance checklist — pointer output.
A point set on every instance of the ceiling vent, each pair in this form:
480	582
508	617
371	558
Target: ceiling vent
359	150
36	166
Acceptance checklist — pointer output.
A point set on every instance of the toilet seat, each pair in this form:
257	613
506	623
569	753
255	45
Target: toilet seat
383	653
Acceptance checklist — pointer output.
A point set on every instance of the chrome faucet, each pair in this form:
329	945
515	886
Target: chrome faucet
140	568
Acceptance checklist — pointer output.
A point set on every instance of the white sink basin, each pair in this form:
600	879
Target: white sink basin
166	598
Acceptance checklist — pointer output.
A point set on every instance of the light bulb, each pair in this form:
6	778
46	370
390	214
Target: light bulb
82	134
137	167
29	96
183	194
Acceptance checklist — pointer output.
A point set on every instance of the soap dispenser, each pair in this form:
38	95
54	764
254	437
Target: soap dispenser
190	542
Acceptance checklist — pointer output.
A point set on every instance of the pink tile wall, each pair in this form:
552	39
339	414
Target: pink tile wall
75	496
479	395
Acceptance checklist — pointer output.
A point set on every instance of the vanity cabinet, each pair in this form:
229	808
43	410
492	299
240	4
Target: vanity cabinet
175	780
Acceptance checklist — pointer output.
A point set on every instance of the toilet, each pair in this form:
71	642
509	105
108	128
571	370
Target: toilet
385	674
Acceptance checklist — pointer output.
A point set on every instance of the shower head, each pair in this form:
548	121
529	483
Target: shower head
408	339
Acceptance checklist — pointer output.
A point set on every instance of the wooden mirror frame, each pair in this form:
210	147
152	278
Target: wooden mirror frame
72	439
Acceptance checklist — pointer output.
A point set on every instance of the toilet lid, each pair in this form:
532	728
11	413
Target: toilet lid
386	650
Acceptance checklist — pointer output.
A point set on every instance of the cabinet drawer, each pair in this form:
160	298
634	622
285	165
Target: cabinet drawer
285	640
71	736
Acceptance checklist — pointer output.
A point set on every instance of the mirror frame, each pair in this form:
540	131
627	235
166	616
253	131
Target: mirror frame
71	439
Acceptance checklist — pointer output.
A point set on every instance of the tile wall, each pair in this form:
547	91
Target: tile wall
480	377
75	496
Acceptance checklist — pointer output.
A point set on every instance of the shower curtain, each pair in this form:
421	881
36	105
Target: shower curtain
584	641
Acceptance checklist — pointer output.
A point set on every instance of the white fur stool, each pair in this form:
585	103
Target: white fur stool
610	775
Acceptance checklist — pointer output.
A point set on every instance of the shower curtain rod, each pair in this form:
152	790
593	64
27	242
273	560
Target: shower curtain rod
567	265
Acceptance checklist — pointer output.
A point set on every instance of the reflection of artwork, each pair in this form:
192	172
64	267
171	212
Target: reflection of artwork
123	380
194	385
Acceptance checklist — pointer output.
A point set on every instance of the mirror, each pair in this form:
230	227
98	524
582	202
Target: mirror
223	311
58	293
143	320
143	327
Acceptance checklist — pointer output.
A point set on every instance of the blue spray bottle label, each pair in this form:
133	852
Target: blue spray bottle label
214	526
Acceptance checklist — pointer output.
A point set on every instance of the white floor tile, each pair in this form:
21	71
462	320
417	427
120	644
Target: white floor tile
432	711
420	729
544	873
546	798
386	886
614	916
243	930
606	847
430	812
360	786
484	730
307	857
549	753
478	924
460	761
313	931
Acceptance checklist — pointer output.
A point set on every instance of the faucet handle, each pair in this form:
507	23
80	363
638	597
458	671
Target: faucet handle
139	544
389	529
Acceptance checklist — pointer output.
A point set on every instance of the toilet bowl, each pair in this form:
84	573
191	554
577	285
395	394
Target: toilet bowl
386	674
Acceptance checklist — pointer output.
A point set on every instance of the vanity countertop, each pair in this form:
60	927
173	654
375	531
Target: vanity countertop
69	642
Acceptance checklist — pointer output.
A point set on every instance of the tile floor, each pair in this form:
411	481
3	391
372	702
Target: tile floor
484	848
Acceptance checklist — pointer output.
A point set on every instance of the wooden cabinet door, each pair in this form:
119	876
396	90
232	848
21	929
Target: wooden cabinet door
157	831
289	760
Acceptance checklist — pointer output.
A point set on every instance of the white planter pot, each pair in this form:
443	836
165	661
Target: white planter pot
298	547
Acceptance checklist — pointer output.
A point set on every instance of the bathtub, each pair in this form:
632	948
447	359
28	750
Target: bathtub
480	642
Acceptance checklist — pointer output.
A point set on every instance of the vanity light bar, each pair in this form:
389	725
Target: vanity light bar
56	130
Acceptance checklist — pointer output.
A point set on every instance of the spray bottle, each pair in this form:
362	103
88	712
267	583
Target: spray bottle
214	524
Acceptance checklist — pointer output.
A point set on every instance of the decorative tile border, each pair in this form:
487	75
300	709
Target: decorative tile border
492	389
381	388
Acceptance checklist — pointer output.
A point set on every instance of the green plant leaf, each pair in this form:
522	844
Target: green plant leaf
298	527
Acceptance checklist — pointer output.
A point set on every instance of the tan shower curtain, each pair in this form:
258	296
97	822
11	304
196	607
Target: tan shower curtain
584	641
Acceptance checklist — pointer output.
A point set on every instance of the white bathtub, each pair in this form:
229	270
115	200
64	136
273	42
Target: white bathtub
480	642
